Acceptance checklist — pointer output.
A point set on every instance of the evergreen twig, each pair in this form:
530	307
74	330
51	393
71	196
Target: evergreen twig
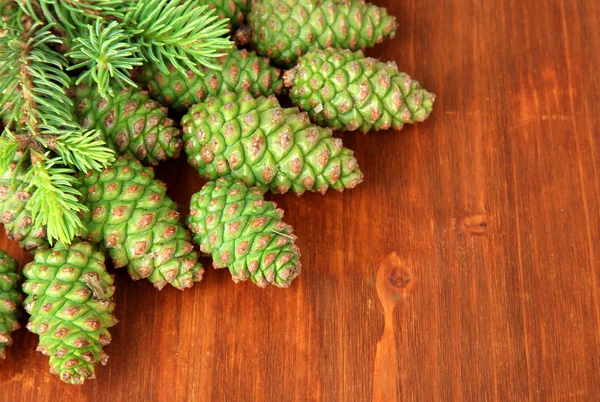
34	80
107	55
182	33
71	16
84	151
54	202
33	92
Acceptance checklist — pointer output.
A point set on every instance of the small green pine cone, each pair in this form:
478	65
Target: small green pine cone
15	214
347	91
235	10
70	300
242	231
130	122
10	300
132	216
284	30
240	71
263	144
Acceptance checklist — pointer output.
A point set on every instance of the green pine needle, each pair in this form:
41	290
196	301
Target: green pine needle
34	85
40	95
54	202
33	89
84	151
73	15
182	33
8	150
107	55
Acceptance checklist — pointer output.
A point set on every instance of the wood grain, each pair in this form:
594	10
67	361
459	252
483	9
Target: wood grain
465	268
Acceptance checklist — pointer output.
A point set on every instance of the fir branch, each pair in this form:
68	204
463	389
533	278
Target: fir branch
85	151
33	78
107	55
178	32
54	201
34	85
73	16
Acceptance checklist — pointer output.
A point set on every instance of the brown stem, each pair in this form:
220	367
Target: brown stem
26	88
36	157
50	141
27	141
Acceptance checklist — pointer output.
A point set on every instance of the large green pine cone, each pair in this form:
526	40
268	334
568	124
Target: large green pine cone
240	71
10	300
131	214
263	144
235	10
70	303
130	122
284	30
242	231
347	91
14	212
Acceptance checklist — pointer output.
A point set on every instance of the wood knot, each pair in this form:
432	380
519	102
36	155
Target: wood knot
475	225
395	279
400	278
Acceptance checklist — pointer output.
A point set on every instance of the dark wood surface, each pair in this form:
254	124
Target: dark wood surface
465	268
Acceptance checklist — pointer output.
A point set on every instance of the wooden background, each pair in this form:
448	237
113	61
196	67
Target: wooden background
465	268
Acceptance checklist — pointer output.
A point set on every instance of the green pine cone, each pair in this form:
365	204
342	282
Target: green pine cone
70	300
10	300
347	91
284	30
240	71
263	144
244	232
131	214
235	10
15	214
130	123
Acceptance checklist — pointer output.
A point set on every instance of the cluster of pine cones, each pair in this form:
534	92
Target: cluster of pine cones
237	136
